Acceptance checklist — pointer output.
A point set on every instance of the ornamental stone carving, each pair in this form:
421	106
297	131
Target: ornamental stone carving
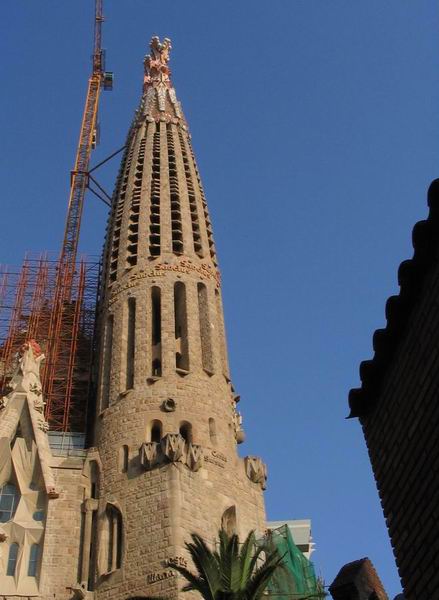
174	449
156	63
256	470
169	405
194	458
149	454
43	424
173	446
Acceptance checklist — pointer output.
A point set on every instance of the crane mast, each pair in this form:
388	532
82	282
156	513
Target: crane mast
79	175
63	327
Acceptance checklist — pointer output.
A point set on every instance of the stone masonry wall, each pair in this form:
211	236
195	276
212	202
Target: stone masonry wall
62	541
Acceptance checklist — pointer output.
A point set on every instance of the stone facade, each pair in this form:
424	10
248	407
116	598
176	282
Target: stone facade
399	413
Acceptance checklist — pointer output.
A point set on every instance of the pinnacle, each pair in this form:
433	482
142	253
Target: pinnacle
156	63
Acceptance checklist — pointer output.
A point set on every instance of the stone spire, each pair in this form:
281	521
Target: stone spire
167	419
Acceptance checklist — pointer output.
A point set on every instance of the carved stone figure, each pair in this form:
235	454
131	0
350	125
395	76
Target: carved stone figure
156	63
256	470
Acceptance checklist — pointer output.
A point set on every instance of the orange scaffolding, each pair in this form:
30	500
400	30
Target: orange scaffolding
28	299
54	301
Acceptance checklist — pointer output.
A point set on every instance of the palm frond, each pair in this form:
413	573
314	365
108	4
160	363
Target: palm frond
262	575
206	564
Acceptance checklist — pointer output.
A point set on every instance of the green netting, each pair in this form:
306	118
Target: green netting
297	580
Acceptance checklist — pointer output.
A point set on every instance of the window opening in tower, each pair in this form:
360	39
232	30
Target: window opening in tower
154	217
156	332
155	434
209	230
133	226
106	366
181	336
186	431
176	223
196	234
205	329
121	189
131	343
221	332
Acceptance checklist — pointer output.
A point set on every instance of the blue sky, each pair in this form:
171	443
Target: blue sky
316	128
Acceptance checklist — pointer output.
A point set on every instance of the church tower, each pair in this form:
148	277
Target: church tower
165	461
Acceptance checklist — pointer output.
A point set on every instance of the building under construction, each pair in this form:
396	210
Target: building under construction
108	516
64	330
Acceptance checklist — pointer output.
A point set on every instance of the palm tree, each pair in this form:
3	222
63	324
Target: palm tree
233	571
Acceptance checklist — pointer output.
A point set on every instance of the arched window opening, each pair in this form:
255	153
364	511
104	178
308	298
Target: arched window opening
114	518
212	431
106	366
123	458
34	556
180	321
186	431
156	331
228	521
205	328
12	559
9	499
131	343
94	479
155	431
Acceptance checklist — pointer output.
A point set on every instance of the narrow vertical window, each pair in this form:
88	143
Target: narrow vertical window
212	431
228	521
106	366
186	432
196	234
221	332
12	560
181	337
133	235
121	189
34	556
155	433
94	479
123	458
156	332
176	222
131	343
114	522
205	331
205	209
154	215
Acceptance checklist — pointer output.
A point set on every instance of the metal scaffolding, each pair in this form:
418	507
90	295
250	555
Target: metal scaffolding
29	308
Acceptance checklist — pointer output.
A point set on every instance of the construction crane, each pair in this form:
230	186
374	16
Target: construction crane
63	328
87	140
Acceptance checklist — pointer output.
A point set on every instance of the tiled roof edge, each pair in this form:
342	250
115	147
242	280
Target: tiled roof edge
411	276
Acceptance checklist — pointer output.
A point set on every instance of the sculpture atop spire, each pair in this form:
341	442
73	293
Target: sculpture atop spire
156	63
159	101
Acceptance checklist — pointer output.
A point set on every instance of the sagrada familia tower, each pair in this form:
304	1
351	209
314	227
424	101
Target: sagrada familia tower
162	461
